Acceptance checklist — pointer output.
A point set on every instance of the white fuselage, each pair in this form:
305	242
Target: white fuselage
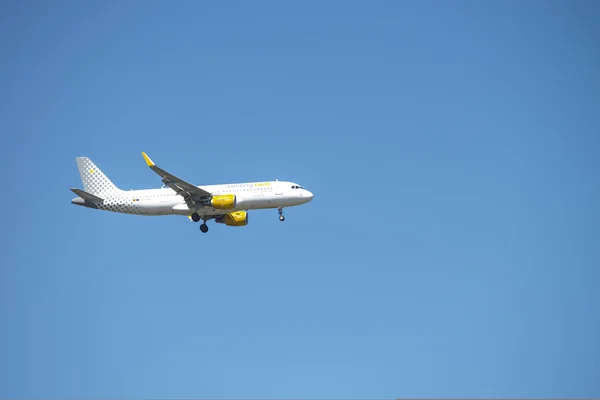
164	201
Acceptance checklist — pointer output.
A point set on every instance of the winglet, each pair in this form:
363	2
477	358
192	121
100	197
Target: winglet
148	160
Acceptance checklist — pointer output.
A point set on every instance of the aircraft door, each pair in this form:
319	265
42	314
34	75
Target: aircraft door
278	188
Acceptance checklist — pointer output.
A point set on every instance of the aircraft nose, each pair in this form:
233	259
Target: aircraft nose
308	195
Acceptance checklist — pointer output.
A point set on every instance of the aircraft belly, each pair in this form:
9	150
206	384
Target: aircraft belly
154	207
268	201
256	202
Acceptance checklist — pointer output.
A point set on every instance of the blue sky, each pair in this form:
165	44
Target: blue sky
451	248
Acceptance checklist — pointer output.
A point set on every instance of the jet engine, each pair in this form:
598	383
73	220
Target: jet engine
223	202
236	218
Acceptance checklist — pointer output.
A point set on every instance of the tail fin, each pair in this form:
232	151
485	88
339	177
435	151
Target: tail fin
94	181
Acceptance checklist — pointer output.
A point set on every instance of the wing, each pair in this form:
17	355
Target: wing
190	193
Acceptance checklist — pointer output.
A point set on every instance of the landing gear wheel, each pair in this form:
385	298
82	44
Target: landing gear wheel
204	228
195	217
281	217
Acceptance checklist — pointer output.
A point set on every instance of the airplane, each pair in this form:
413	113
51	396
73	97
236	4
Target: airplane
227	204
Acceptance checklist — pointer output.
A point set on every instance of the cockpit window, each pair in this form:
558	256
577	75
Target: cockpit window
296	187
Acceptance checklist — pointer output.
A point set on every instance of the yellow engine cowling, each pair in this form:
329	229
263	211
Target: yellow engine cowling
236	218
223	202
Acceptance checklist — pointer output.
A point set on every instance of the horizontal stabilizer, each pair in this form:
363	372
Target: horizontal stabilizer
87	196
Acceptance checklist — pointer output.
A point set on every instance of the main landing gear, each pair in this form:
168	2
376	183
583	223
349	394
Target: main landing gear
281	217
197	218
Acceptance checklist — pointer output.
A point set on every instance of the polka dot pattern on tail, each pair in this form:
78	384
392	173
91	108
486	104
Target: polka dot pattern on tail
94	181
117	201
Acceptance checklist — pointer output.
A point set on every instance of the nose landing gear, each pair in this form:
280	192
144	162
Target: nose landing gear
281	217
